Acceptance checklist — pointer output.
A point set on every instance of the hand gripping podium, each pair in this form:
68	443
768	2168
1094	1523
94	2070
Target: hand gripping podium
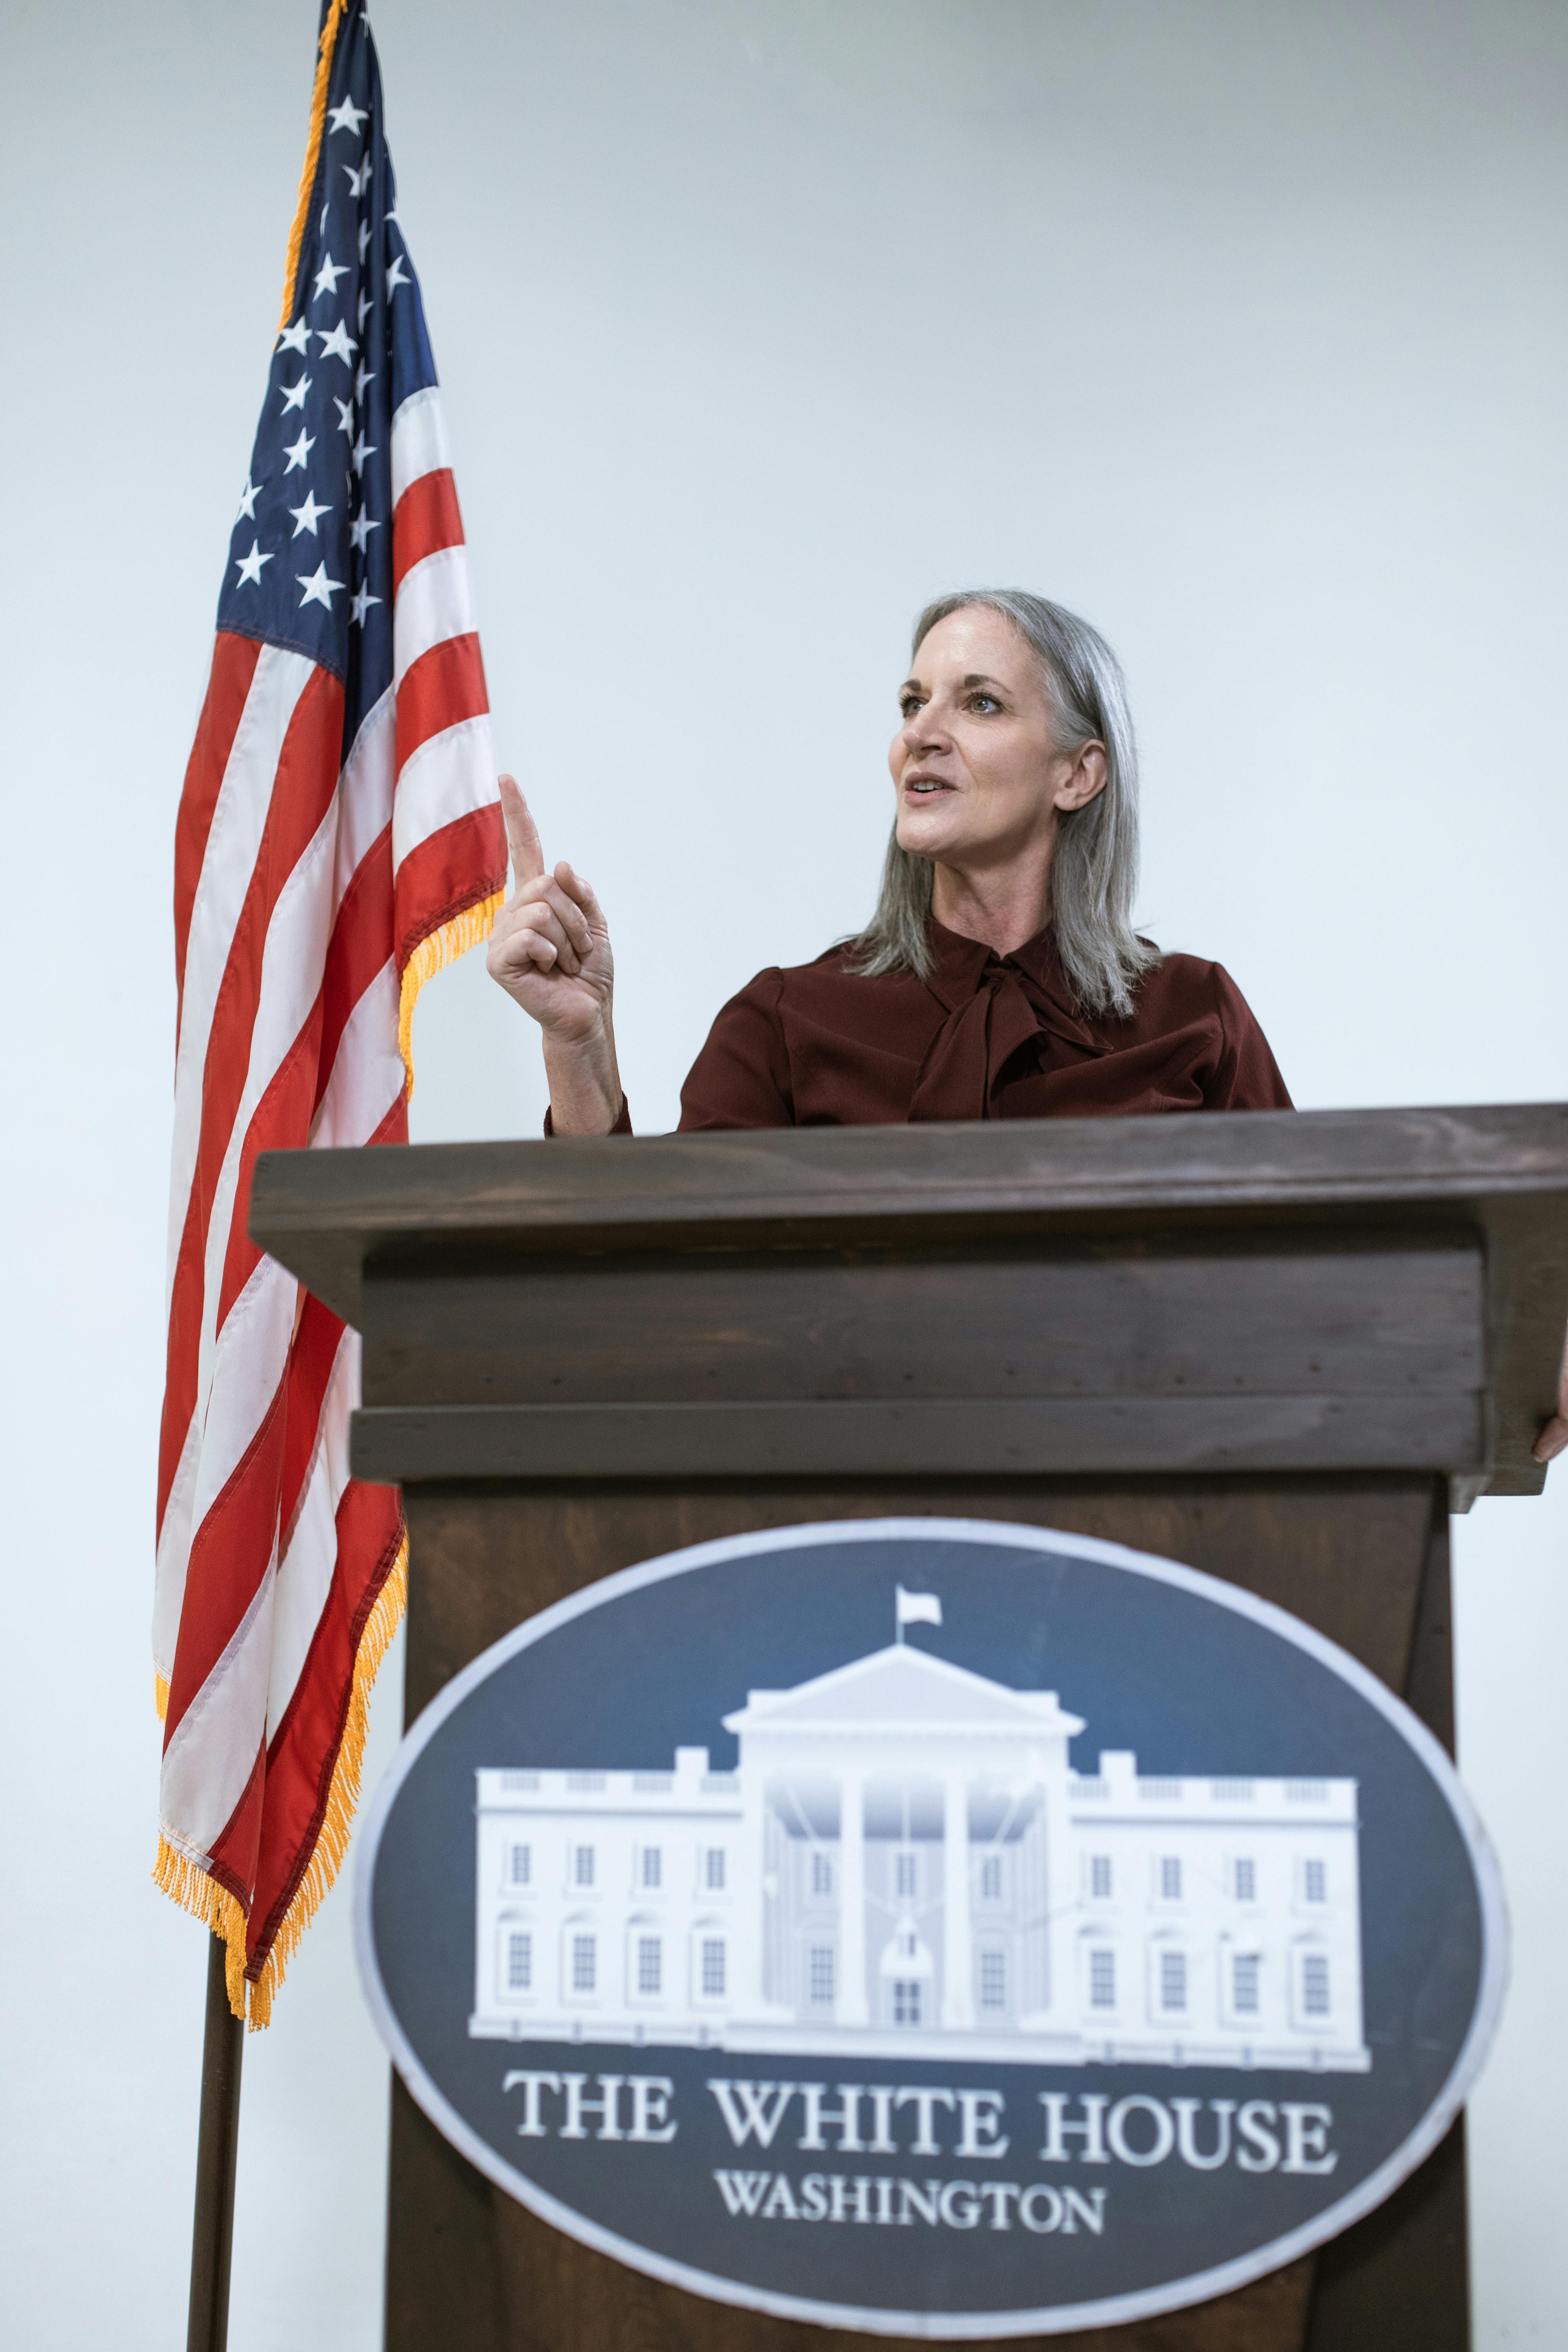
1278	1347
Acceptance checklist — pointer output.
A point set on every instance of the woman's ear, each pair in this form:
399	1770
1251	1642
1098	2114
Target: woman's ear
1089	774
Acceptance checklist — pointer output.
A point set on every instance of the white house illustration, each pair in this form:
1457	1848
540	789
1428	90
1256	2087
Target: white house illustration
904	1862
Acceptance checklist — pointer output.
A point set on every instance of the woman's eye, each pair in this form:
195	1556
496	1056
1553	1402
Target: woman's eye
909	704
983	702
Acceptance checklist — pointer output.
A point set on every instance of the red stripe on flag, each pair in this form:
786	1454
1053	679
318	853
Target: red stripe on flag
229	1554
314	1352
228	683
362	936
302	793
235	1849
280	1119
310	1362
424	520
444	687
303	1753
452	869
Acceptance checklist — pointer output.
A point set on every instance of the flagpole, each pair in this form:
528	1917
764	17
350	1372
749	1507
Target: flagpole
217	2143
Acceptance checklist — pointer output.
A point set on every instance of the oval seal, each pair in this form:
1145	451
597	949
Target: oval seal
931	1927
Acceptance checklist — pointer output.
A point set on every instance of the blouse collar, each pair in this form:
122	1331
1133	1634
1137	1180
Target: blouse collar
963	967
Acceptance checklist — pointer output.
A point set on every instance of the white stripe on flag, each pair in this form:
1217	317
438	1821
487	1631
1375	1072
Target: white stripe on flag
239	818
175	1552
418	440
449	774
367	1074
311	1548
434	604
209	1760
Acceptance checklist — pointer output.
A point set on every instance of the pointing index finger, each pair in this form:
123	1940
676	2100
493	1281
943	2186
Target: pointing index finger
521	835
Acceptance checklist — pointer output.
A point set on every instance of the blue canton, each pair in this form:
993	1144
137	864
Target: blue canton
311	559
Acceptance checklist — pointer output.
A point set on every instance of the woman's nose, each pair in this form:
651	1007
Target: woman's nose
923	731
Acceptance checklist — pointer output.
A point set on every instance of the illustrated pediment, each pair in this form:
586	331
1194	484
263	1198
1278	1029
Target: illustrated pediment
905	1689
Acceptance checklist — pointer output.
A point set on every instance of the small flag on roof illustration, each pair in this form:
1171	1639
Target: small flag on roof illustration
917	1609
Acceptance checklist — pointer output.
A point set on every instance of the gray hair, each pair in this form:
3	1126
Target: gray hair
1094	864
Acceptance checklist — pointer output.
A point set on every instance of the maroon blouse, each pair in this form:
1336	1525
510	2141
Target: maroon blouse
987	1036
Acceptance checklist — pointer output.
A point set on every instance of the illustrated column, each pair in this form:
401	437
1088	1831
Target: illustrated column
853	2008
958	1940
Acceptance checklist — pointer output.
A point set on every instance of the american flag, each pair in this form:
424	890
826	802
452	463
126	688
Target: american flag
338	837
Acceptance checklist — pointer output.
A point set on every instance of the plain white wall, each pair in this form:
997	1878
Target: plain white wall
1238	326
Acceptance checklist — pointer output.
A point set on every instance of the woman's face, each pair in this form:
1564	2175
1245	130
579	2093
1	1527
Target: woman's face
974	764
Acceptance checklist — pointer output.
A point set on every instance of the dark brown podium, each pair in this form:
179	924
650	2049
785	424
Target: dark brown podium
1281	1348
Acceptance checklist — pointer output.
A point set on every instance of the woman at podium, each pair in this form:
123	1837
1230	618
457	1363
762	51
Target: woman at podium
1000	976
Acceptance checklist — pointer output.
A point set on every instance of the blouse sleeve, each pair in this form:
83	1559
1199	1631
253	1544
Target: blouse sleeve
1246	1076
742	1076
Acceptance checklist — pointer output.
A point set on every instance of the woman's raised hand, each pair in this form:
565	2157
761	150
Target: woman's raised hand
549	949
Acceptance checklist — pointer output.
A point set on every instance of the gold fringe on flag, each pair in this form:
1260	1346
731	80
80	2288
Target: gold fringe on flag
443	946
187	1884
160	1695
313	155
342	1796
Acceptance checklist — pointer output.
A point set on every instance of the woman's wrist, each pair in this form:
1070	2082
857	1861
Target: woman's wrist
584	1082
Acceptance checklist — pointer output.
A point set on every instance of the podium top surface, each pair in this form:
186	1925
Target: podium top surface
1489	1180
324	1214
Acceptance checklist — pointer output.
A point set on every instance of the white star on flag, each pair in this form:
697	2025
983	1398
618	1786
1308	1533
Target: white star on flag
328	275
395	275
296	338
362	601
358	181
345	409
363	449
318	588
298	451
247	498
360	530
307	517
347	117
339	345
294	395
250	565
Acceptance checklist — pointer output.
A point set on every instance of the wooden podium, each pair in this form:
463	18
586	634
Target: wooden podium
1280	1347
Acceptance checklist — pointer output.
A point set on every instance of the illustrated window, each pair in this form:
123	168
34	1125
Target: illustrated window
1314	1984
1315	1882
1101	1978
713	1870
992	1980
583	1866
1169	1878
820	1973
1246	1880
905	1882
520	1865
906	2001
991	1879
713	1968
1172	1981
520	1961
1245	1975
821	1873
1100	1880
650	1966
652	1866
584	1964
